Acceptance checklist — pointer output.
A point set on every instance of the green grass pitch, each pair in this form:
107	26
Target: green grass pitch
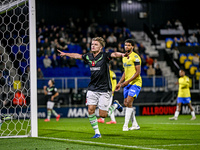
157	132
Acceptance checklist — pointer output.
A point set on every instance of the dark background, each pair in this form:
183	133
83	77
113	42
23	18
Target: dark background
158	11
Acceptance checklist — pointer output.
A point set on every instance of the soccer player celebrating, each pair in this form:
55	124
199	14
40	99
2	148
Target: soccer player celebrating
132	82
184	96
51	93
114	83
99	89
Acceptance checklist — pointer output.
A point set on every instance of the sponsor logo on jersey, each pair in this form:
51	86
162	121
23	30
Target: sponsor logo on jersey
127	65
95	68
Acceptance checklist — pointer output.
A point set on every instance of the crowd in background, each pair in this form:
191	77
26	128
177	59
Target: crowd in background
80	32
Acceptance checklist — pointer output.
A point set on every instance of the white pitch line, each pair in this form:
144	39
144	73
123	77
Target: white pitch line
195	124
176	145
99	143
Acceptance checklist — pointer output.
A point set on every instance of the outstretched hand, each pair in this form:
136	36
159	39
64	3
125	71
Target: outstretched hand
61	53
125	55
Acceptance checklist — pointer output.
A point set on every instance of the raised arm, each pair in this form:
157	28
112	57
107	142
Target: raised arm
72	55
118	54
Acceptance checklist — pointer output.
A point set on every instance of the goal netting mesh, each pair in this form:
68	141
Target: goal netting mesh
14	69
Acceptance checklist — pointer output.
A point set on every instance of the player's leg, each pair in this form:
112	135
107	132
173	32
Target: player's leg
178	109
49	109
93	120
92	101
112	113
55	114
192	111
134	93
129	109
135	125
102	119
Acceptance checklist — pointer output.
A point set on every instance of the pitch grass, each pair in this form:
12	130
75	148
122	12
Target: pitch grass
157	132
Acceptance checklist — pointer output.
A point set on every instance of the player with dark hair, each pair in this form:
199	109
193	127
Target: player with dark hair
132	83
184	96
51	93
99	89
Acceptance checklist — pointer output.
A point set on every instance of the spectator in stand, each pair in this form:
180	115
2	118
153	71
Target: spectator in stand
168	25
41	52
142	48
46	43
121	38
112	40
47	62
175	43
88	47
39	73
150	71
83	43
182	41
62	32
120	48
54	62
64	62
158	70
193	38
176	55
39	44
48	51
40	34
46	32
149	60
142	56
63	45
178	25
72	62
195	59
155	62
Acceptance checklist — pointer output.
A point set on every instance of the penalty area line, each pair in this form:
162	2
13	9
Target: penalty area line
99	143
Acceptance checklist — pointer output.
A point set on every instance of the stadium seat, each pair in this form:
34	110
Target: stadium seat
169	42
190	56
187	64
190	82
182	58
197	75
192	69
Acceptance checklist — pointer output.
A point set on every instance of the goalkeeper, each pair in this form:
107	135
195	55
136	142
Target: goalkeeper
99	89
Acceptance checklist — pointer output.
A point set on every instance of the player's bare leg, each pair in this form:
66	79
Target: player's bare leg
93	120
129	109
192	112
178	109
48	115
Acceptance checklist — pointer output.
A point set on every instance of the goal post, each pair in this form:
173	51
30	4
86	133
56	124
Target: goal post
18	69
33	68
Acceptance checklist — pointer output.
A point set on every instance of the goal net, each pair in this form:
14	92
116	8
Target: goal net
18	97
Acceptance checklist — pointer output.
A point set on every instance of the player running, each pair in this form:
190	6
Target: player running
184	96
99	89
114	83
132	83
51	93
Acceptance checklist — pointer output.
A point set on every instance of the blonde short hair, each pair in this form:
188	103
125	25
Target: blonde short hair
100	40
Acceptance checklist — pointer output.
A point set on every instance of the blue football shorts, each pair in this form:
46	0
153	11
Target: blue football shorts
184	100
131	90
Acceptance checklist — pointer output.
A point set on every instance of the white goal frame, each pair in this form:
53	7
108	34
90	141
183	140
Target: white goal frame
33	66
